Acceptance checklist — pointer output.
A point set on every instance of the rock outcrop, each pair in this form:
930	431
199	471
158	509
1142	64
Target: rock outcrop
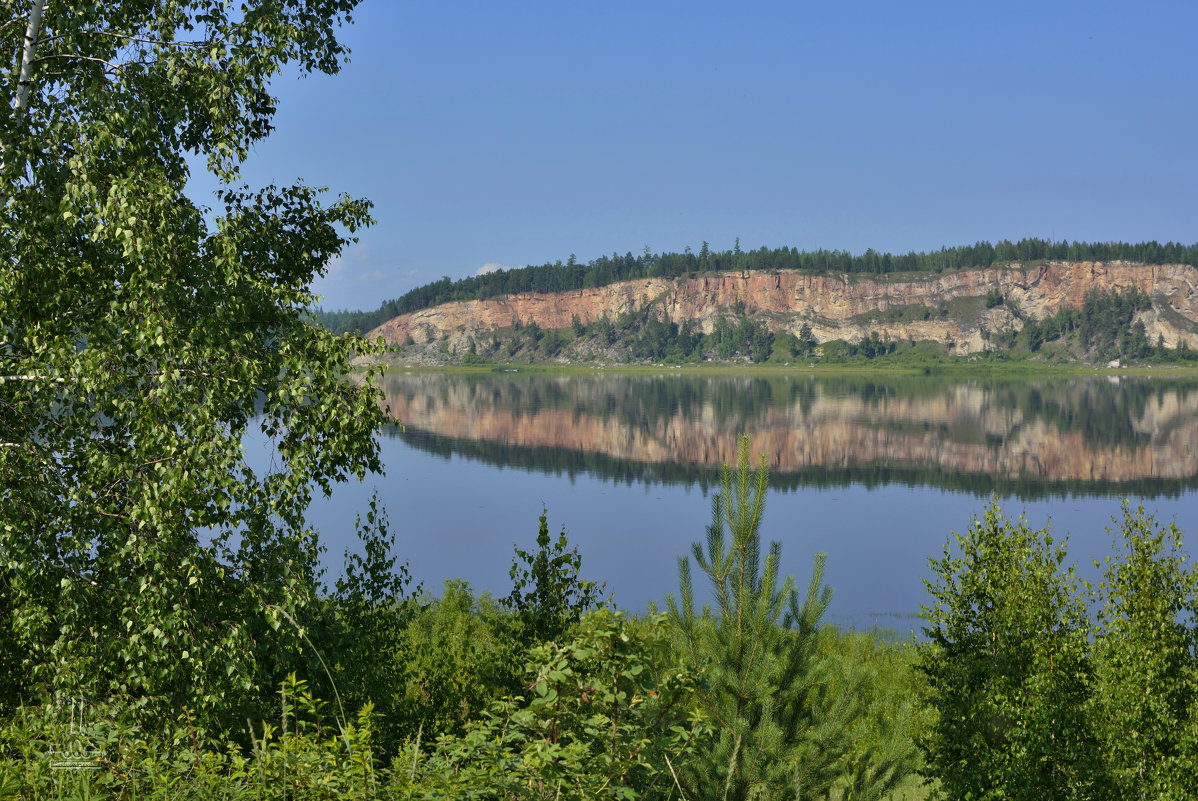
834	307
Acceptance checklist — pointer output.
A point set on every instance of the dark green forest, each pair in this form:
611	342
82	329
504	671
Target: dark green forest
561	277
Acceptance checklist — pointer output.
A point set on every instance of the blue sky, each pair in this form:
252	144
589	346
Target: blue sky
522	132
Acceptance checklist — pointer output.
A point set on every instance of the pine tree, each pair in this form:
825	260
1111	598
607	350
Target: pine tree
778	732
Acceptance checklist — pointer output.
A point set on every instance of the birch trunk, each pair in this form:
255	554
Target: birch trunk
19	102
28	52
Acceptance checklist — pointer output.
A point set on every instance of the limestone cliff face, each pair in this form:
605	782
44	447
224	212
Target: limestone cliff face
835	307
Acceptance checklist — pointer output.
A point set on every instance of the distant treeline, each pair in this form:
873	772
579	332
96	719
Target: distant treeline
571	275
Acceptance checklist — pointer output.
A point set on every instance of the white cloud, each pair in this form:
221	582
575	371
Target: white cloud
494	266
335	269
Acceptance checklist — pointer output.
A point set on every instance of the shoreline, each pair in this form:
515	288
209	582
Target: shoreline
965	369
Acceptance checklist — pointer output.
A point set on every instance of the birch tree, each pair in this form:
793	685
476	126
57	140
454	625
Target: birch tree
142	556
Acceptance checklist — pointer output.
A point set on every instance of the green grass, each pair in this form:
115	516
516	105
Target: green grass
885	366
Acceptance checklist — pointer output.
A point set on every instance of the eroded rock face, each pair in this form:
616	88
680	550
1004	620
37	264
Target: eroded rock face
835	307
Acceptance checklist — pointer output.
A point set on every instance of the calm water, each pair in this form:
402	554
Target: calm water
875	472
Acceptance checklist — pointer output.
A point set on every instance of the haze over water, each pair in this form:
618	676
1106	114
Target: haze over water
875	471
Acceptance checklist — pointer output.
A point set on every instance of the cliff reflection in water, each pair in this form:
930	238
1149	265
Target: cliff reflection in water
1028	437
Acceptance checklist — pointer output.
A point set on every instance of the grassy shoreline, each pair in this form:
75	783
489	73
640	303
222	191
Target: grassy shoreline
949	368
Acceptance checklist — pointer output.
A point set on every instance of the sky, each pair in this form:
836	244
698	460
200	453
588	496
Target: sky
502	134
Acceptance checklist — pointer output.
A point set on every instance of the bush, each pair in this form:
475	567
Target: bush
1033	699
76	752
604	716
547	594
1007	667
458	654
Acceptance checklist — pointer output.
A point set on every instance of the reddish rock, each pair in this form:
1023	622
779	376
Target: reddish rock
831	305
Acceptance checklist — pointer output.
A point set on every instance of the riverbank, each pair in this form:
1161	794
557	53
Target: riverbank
961	368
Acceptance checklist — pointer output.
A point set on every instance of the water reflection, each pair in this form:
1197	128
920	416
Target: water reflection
1026	437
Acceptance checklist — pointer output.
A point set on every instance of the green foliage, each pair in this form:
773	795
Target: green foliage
1103	327
547	594
606	713
1146	673
742	337
605	330
1104	317
458	653
1007	667
363	628
882	680
475	359
144	337
1035	699
552	342
781	727
872	346
605	716
76	751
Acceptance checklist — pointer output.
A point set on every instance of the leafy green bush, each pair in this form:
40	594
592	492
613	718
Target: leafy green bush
362	629
76	752
458	654
604	715
1008	668
547	594
1145	708
1033	697
881	678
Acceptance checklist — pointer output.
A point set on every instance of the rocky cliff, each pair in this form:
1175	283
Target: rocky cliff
834	307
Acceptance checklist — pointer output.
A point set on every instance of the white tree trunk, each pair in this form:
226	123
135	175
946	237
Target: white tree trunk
28	52
19	102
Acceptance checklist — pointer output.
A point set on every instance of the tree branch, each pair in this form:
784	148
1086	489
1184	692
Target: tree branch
147	40
59	56
32	378
199	43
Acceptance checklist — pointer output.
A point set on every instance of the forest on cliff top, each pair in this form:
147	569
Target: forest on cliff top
572	275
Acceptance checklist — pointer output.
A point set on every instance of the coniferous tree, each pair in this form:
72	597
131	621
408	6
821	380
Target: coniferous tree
778	733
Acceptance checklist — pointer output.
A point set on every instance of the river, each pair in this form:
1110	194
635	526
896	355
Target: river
874	471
